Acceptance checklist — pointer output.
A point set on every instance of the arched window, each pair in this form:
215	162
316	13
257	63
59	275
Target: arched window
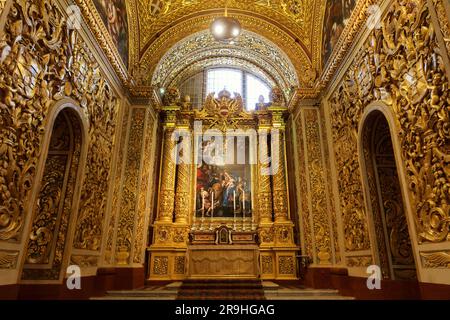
248	85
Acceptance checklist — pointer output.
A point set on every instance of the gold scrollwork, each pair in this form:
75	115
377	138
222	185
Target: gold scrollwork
408	75
266	264
127	216
8	259
435	259
179	266
286	265
34	75
161	265
146	172
363	261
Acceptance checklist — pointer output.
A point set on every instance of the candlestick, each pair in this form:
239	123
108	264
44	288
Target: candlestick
212	210
203	210
194	220
234	210
243	210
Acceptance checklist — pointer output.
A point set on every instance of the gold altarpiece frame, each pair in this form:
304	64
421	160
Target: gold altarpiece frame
186	245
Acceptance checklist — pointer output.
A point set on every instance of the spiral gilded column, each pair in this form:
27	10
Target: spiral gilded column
168	172
183	194
264	188
278	148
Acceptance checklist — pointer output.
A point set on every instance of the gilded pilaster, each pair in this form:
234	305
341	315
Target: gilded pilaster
264	188
167	193
183	191
280	198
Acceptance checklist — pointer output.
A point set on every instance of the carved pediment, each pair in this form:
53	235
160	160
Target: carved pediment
224	106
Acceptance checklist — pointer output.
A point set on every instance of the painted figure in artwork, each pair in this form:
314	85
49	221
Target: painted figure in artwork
114	16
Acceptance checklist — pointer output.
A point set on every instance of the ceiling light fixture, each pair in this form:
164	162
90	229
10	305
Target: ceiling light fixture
226	29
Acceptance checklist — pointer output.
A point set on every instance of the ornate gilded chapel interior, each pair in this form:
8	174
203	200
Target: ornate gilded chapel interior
251	149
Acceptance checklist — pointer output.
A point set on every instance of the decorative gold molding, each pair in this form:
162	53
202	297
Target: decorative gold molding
84	261
153	54
8	259
318	193
363	261
130	193
354	26
105	41
30	90
140	232
436	259
251	48
409	77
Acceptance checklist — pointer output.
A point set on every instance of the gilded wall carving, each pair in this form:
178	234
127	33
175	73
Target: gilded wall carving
349	185
84	261
435	259
363	261
303	190
383	259
115	207
128	216
266	264
359	17
161	265
104	38
54	205
2	6
179	265
319	204
142	206
286	265
400	64
43	62
48	210
329	187
8	259
389	215
444	22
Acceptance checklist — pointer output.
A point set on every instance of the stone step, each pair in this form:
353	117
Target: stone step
272	291
155	294
141	293
303	294
123	298
306	297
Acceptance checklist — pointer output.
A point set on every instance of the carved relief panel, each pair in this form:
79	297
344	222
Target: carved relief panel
408	74
43	61
53	208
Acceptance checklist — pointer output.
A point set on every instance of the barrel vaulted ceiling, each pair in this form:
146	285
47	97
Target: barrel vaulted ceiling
155	27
